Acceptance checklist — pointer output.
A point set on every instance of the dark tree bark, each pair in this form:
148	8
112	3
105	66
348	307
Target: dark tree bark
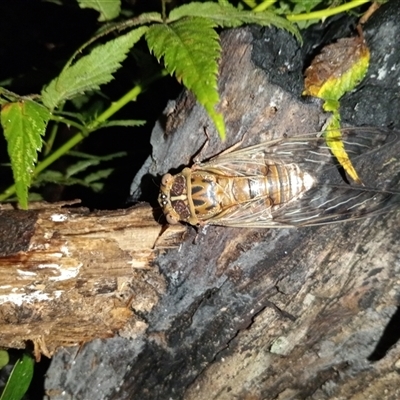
257	314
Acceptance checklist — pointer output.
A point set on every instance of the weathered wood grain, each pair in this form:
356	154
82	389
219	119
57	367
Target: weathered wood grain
68	276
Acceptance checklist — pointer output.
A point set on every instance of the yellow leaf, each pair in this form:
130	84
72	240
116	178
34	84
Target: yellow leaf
333	139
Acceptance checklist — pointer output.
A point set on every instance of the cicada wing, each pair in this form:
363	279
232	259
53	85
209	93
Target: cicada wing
253	214
309	151
330	204
319	206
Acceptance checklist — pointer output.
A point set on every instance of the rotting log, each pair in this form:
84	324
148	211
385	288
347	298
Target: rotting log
68	275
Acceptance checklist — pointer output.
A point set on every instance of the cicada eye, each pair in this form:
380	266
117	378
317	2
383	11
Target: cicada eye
171	219
165	179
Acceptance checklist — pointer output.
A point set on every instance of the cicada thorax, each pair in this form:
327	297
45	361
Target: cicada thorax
206	193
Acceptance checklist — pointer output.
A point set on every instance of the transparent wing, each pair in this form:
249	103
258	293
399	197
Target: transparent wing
309	151
331	199
319	206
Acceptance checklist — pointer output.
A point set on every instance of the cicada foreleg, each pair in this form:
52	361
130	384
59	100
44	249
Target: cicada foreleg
198	157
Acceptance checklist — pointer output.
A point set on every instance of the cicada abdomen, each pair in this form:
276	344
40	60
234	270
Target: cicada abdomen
281	183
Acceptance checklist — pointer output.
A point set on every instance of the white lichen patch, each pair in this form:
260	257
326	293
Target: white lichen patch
281	346
137	264
308	299
54	266
22	298
64	272
65	250
382	72
26	273
58	217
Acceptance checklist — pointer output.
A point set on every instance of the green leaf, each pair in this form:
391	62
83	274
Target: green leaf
108	9
19	380
227	16
90	71
80	166
91	181
68	178
305	5
24	123
4	358
90	162
73	115
107	157
48	176
96	176
123	122
190	48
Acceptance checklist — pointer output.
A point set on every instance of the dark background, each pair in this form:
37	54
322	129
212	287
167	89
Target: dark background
36	39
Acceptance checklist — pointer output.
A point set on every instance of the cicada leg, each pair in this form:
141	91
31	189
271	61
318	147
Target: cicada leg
198	156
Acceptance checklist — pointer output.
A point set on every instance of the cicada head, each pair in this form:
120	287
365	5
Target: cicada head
173	198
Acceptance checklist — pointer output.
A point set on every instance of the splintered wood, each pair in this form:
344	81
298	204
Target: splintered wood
68	276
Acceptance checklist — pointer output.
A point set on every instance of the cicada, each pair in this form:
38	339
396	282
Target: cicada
287	182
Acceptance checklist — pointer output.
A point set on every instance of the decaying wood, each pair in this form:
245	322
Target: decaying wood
68	276
256	314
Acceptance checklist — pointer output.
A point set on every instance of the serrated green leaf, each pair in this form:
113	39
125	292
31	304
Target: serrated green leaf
190	49
34	197
97	186
56	178
305	5
19	380
23	123
107	157
108	9
48	176
90	71
89	162
123	122
91	181
227	16
80	166
96	176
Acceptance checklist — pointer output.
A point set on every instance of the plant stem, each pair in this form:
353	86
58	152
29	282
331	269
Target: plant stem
163	10
322	14
83	133
66	121
50	141
52	137
264	5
